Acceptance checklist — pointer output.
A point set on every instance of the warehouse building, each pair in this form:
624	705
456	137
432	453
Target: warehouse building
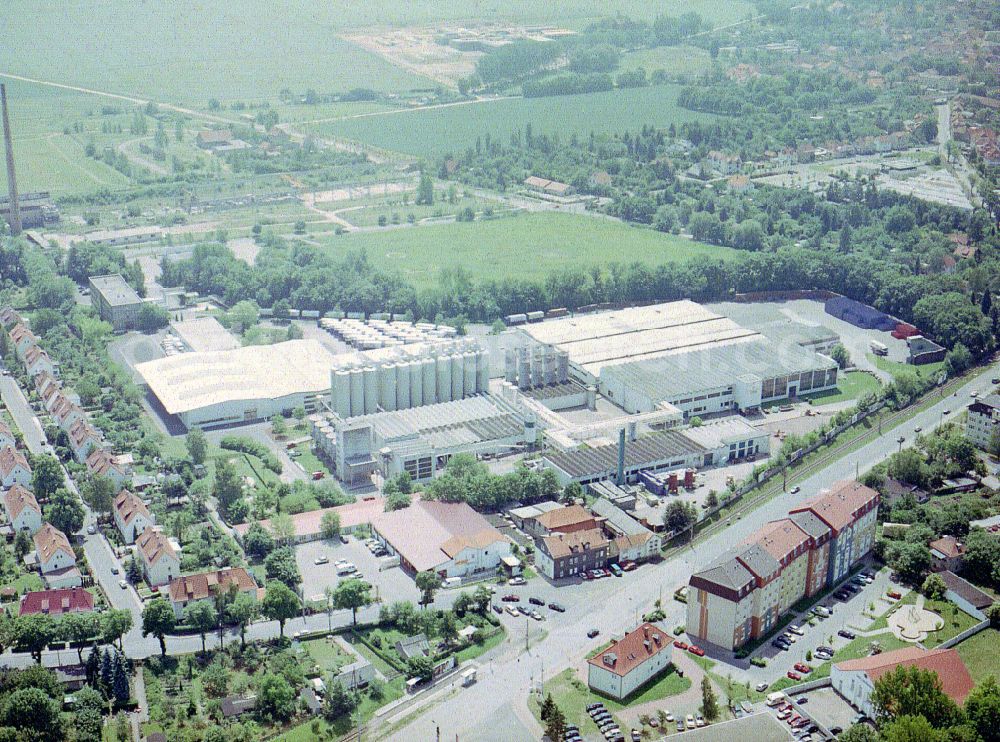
243	385
420	440
676	356
115	301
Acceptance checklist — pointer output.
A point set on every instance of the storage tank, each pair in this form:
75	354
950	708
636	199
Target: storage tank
510	366
538	368
403	385
443	365
341	393
523	369
357	392
469	369
672	479
482	372
550	364
416	384
387	398
457	377
562	366
689	479
371	390
430	380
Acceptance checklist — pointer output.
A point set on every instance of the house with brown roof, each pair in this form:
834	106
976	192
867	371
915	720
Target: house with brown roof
449	538
57	602
560	555
855	680
102	463
630	662
965	595
131	516
214	138
83	439
6	436
37	361
14	468
202	586
947	554
23	511
560	520
46	385
158	558
56	558
22	338
64	410
9	317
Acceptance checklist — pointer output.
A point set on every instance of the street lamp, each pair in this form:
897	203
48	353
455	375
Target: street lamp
900	441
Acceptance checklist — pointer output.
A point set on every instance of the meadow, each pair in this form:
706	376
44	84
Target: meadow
676	60
188	51
529	246
437	131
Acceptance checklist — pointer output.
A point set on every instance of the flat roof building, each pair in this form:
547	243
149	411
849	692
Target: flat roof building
115	301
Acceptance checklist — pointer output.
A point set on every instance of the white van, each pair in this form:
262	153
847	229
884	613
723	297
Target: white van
773	699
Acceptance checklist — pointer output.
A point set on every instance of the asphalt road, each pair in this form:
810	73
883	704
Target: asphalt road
495	704
23	415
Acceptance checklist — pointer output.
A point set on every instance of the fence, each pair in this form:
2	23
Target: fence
807	686
972	631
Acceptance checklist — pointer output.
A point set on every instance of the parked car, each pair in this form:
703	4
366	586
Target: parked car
680	725
594	706
699	720
795	629
779	644
793	675
795	490
803	668
616	570
790	637
511	598
497	609
536	601
514	581
696	650
537	616
628	566
122	584
679	644
513	611
636	736
761	687
91	529
114	569
847	634
669	716
689	721
322	560
592	633
894	594
557	608
802	699
824	648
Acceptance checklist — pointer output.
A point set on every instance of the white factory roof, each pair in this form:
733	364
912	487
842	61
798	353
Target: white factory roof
191	381
723	433
205	334
639	333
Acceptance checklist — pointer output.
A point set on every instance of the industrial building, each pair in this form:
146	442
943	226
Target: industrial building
242	385
115	301
36	209
679	356
419	440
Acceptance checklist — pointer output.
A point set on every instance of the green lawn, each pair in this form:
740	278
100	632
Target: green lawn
436	131
676	60
309	460
894	368
475	650
327	654
527	246
307	732
981	654
572	695
850	385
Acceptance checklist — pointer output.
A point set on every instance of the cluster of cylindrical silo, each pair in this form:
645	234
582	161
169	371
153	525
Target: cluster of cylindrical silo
443	374
381	333
530	367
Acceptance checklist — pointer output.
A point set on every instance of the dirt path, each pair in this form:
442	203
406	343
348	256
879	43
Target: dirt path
153	167
394	111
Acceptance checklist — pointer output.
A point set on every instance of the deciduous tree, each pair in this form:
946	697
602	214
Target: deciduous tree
158	619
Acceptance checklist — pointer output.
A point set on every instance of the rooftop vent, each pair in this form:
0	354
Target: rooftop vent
610	659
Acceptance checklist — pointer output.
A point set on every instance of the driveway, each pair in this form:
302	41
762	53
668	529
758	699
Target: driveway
391	584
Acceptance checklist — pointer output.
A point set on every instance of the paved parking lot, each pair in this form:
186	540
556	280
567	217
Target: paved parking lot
827	708
391	584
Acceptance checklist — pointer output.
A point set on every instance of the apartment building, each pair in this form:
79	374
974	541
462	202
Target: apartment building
562	555
983	420
744	593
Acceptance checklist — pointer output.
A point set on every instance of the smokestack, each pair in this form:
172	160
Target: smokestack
621	458
15	209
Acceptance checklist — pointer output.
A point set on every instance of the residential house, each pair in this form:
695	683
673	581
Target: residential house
37	361
131	516
234	706
56	558
983	421
158	559
83	439
413	646
202	586
630	663
9	317
965	595
567	519
561	555
101	463
57	602
723	162
855	680
896	490
23	510
947	554
358	674
14	468
630	539
21	338
46	385
64	411
214	138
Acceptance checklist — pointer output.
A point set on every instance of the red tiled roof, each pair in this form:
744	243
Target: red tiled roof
945	663
572	515
17	498
19	332
950	546
199	586
154	545
780	538
100	462
837	507
80	431
5	431
563	544
10	457
57	602
128	506
49	540
623	656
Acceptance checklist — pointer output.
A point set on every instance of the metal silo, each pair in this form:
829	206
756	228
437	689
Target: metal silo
416	383
443	378
403	385
469	370
562	364
457	377
371	390
523	369
482	372
357	392
429	374
341	393
387	398
510	366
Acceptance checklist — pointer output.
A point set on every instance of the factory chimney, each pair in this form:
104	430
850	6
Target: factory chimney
621	458
15	209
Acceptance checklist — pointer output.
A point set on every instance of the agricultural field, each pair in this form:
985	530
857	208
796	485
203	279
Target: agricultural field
676	60
528	246
451	128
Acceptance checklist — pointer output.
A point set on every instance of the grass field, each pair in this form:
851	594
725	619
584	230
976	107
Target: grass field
436	131
189	51
528	246
894	368
981	654
850	385
676	60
